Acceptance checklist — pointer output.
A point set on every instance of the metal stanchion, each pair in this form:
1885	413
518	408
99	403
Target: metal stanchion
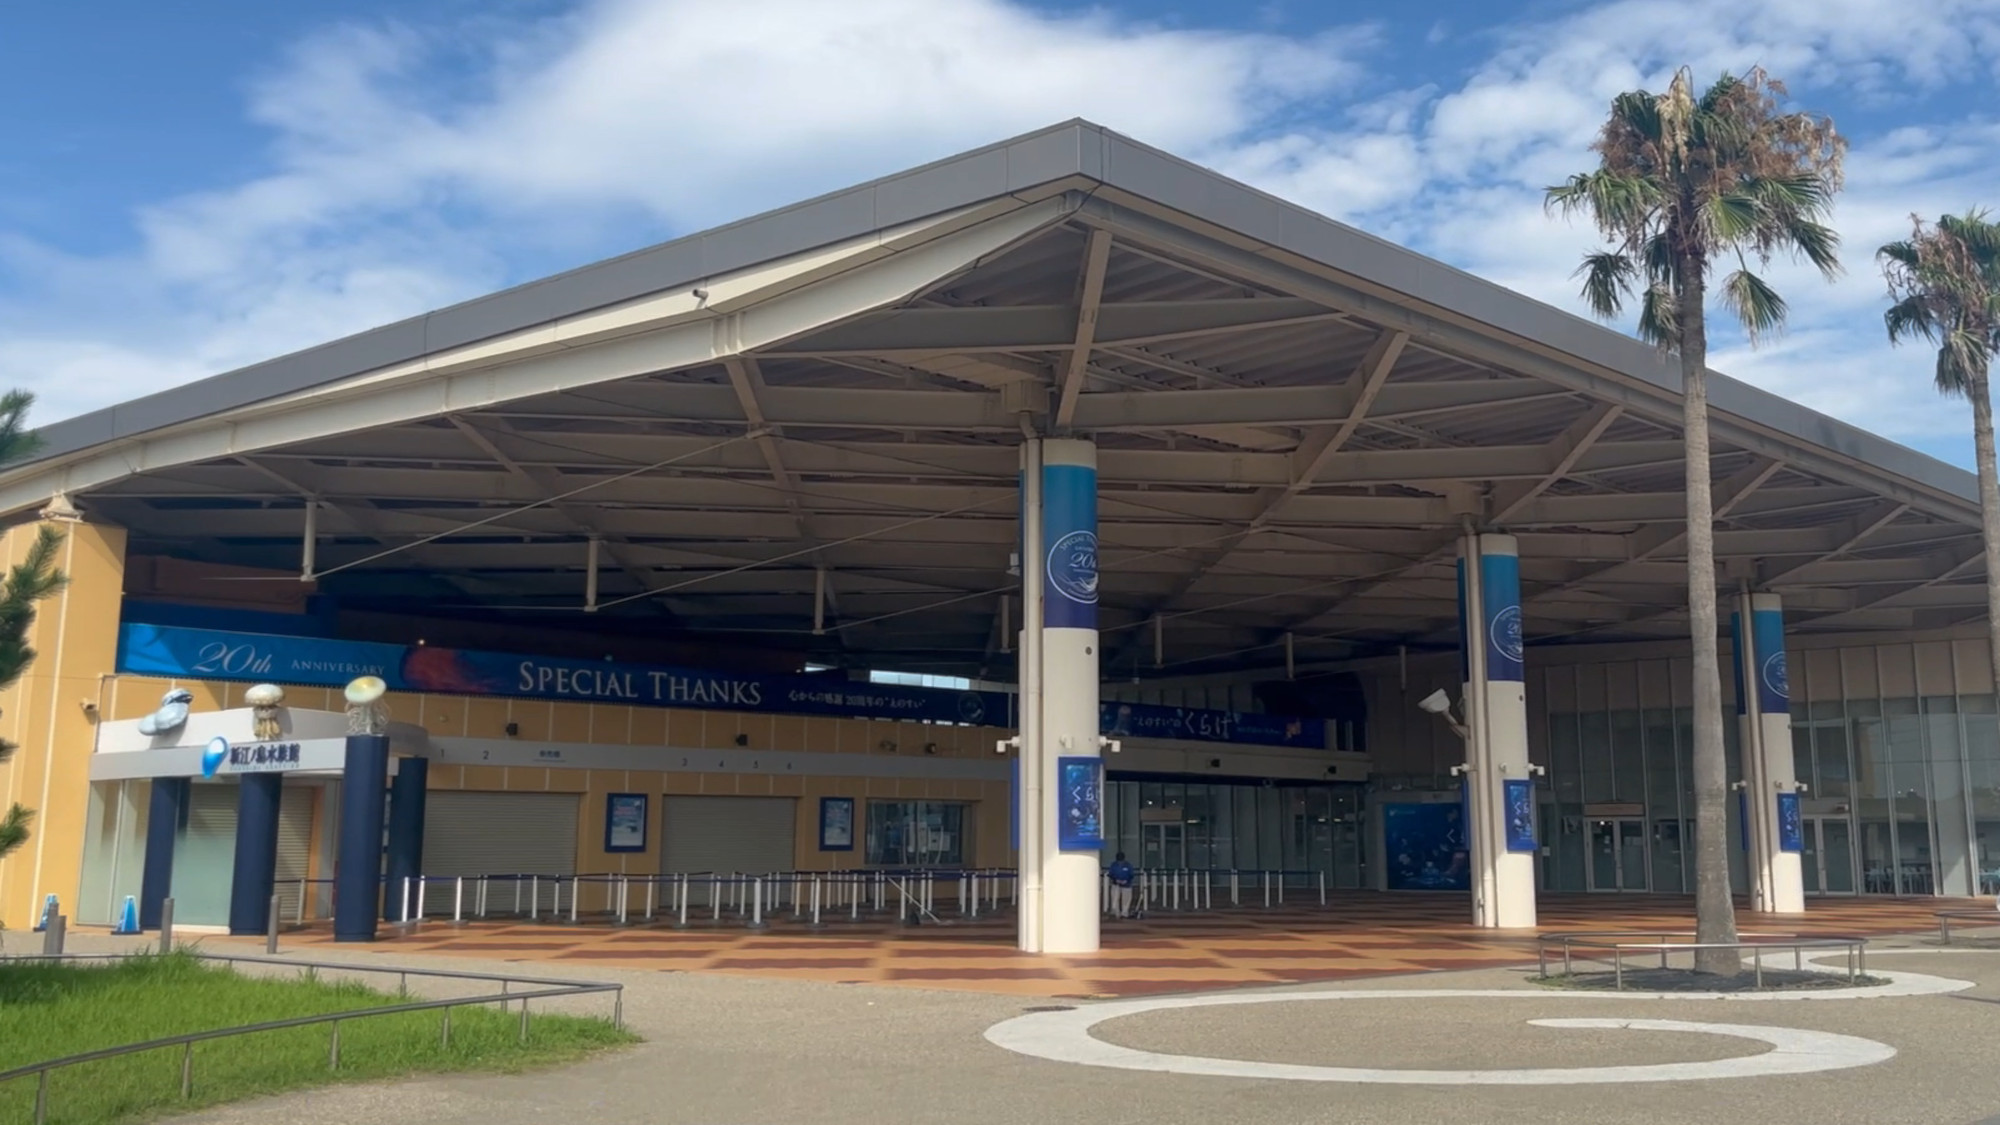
52	937
1235	899
1265	878
624	898
271	927
575	893
1322	888
974	878
756	904
534	896
715	898
458	900
299	909
1281	888
404	914
167	925
421	884
854	898
652	893
879	881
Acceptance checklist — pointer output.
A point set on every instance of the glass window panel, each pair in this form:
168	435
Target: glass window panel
1953	874
1270	827
1594	737
1628	769
1566	778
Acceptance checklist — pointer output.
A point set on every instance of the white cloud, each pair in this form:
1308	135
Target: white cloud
410	162
414	166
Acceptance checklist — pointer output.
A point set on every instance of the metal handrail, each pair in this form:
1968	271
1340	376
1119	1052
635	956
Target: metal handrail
1615	943
549	988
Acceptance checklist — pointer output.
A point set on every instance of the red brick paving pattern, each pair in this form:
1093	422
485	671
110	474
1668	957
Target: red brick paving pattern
1356	935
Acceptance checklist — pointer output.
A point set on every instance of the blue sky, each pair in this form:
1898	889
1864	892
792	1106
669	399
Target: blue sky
187	188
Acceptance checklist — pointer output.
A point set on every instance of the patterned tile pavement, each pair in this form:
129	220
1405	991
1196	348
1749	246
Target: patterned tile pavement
1355	935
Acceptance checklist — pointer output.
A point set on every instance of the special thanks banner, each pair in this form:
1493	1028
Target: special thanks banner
166	650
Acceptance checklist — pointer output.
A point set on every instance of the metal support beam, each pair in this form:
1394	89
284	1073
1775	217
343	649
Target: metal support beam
1564	453
1316	450
1090	296
544	484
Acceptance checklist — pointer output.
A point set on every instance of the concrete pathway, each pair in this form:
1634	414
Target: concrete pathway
724	1049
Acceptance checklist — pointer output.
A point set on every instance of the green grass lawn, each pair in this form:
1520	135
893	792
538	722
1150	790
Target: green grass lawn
51	1010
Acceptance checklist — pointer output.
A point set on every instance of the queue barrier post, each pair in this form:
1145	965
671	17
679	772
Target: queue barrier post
1322	888
422	885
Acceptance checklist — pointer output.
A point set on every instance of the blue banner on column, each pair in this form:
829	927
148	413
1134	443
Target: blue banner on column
1069	533
1080	803
1791	833
1520	810
1767	637
1500	599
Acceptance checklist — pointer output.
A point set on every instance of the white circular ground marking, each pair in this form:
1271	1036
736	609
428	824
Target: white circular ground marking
1064	1036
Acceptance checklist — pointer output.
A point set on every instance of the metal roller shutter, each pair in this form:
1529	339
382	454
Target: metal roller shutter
499	833
753	835
295	823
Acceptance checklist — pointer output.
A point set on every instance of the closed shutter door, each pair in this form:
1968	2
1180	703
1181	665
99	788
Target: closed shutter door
295	813
499	833
752	835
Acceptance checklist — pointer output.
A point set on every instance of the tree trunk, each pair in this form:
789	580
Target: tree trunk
1980	392
1714	911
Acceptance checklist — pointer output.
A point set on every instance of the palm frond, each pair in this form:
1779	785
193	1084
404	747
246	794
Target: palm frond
1607	278
1817	243
16	439
1659	317
1908	319
14	828
1757	306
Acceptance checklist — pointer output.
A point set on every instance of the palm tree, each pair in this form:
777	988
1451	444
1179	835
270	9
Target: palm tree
1944	281
1682	182
29	581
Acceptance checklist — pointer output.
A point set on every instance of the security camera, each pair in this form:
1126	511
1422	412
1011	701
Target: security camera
1436	703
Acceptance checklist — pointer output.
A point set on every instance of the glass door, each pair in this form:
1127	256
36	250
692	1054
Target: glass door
1618	860
1165	847
1835	854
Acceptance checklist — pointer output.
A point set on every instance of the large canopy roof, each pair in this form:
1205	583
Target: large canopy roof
812	418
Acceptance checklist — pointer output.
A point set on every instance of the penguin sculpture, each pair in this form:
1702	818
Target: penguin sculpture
172	713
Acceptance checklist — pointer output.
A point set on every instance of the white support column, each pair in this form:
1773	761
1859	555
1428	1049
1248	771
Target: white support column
1028	757
1501	805
1771	792
1072	804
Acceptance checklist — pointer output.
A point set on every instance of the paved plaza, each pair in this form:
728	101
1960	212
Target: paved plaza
1482	1045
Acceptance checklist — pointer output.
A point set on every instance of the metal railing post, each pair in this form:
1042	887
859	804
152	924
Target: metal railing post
423	884
404	911
757	904
299	912
271	928
187	1070
815	920
458	900
534	896
167	925
1322	888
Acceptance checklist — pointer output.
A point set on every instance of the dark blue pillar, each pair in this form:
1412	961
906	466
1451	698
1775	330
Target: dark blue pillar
257	799
357	873
406	833
165	817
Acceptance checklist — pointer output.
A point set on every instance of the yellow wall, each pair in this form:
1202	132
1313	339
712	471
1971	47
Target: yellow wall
75	637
